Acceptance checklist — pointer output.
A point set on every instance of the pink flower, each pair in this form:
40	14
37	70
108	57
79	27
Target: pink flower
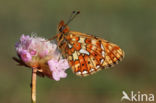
58	68
42	54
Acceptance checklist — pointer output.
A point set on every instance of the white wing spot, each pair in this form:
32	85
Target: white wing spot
81	40
98	66
84	72
103	53
83	51
75	56
91	70
69	45
93	41
74	39
102	47
102	61
78	73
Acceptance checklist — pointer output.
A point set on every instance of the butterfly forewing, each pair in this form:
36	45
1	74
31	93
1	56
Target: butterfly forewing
87	54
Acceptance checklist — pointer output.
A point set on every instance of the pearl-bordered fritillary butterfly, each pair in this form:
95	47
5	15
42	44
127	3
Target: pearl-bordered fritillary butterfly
86	54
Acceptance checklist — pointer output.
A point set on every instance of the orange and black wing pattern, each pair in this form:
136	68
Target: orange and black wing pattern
87	54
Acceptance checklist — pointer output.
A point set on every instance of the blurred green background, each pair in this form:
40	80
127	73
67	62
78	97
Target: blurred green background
129	23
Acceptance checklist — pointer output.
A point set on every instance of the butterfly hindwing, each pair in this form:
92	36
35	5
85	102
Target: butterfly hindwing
113	54
87	54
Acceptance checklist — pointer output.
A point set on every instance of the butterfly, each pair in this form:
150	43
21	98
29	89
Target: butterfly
86	54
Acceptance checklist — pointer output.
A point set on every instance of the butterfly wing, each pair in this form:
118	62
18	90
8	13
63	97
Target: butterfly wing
87	54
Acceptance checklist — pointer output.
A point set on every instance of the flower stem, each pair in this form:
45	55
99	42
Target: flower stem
33	85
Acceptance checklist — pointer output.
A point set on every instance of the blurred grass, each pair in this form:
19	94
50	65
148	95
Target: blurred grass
129	23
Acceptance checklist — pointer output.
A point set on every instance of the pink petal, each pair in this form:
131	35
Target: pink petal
58	69
23	37
63	74
53	64
64	63
33	52
43	53
25	41
56	75
25	55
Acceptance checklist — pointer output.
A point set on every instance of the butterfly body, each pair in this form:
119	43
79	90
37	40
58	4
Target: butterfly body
86	54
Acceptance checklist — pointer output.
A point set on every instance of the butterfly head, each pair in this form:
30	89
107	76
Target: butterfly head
63	28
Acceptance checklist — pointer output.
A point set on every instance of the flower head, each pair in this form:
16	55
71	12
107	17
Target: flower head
37	52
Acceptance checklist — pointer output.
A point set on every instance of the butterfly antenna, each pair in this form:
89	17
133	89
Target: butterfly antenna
73	15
